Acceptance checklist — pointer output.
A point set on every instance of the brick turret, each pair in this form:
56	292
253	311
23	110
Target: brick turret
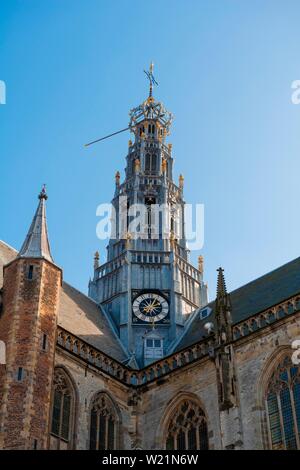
31	288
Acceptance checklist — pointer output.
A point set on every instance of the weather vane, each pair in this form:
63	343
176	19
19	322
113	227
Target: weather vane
152	82
151	78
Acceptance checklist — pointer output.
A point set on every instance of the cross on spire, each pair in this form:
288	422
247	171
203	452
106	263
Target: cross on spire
43	194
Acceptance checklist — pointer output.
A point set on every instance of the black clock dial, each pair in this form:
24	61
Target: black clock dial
150	307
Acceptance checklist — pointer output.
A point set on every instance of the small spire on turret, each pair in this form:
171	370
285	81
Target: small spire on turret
137	165
128	240
96	260
201	264
221	286
36	244
117	178
223	309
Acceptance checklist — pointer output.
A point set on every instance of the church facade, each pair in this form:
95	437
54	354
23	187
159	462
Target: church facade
145	361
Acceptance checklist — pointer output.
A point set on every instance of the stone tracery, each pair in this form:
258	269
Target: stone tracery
283	406
187	428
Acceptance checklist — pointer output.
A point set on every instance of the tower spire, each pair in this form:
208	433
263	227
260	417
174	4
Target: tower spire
36	244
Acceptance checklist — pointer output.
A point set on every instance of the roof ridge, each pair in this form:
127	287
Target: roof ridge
264	275
82	293
8	246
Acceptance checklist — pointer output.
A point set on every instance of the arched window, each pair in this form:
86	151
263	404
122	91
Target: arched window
151	163
63	401
148	162
104	424
283	406
154	162
187	428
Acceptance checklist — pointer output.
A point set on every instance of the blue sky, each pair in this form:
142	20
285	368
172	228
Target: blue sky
73	69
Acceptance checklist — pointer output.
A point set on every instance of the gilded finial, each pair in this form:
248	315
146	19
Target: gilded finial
170	147
164	165
172	239
181	181
128	239
201	264
129	143
137	165
96	260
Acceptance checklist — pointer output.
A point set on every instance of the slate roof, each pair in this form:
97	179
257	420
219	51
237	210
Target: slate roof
254	297
36	244
78	314
81	316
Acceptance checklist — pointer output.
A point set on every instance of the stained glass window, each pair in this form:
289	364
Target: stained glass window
187	429
103	427
283	406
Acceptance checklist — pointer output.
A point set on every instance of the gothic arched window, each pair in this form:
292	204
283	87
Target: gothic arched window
62	408
147	162
150	163
103	424
187	428
283	406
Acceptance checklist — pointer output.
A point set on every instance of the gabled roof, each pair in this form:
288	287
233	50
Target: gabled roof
77	314
254	297
36	244
7	254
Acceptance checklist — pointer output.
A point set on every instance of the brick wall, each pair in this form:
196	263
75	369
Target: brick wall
30	312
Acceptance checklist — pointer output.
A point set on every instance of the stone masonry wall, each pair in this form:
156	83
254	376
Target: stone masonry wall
144	412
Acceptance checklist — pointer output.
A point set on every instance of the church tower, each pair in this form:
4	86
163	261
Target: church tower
147	286
31	289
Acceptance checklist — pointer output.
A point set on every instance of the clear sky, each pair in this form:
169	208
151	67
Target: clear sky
74	68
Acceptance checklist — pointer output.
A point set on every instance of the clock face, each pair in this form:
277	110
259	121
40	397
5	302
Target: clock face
150	307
